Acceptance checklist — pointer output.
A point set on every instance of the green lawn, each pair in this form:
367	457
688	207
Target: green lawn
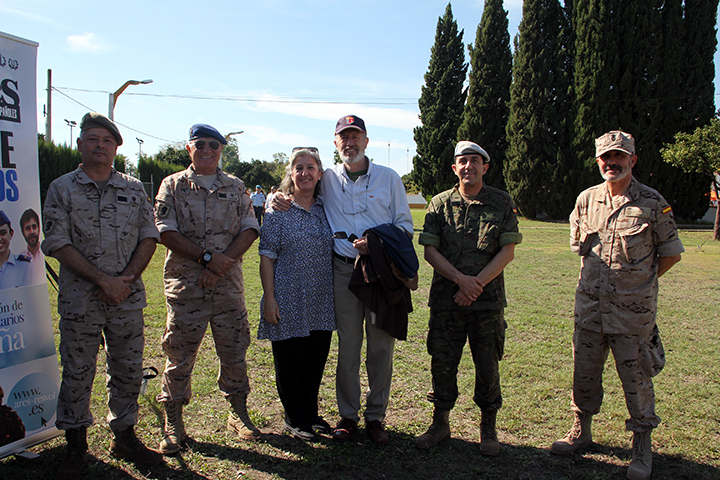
535	373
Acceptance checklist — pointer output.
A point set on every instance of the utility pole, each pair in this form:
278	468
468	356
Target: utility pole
48	109
71	124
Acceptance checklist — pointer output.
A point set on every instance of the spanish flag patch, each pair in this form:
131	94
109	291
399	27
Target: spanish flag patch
667	209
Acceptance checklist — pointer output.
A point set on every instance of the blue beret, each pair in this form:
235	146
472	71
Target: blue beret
201	130
3	219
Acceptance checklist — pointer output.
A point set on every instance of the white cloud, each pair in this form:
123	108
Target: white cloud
87	42
375	116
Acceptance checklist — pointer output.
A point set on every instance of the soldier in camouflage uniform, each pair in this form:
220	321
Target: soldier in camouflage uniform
98	223
206	221
469	235
626	236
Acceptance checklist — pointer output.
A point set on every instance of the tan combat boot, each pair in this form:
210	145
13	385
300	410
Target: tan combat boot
239	421
438	432
74	458
641	466
127	446
174	428
580	435
489	444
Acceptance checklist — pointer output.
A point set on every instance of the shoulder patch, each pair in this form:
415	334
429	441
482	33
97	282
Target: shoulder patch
667	209
163	211
49	225
23	258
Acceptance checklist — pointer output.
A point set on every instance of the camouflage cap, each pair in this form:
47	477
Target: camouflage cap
615	140
98	120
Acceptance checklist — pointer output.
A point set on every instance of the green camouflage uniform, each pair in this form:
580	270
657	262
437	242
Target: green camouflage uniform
468	234
616	297
211	219
105	226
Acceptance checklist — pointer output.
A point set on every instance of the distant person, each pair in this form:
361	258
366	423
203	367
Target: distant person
268	200
258	203
15	270
469	236
29	226
357	195
12	427
98	224
296	249
206	222
626	236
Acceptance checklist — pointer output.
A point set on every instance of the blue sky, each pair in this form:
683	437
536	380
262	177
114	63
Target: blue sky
282	71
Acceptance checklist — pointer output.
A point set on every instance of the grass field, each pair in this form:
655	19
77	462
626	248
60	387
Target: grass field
535	374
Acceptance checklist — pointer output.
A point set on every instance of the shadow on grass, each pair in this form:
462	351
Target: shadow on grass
281	456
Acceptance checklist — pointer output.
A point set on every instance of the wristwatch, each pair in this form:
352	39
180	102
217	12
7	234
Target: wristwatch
205	258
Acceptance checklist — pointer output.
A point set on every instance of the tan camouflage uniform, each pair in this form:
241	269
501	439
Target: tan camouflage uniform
105	226
469	234
616	297
211	219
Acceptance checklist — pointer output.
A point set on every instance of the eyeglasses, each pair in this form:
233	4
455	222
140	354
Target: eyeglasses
311	149
200	144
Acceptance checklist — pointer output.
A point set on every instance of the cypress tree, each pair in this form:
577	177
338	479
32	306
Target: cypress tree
441	106
537	172
632	62
486	111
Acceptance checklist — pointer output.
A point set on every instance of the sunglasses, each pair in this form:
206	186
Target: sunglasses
311	149
200	144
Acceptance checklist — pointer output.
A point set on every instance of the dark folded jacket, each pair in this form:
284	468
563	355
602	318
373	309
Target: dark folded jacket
377	287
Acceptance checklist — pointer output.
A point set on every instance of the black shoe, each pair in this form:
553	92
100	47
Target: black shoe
345	430
321	426
303	433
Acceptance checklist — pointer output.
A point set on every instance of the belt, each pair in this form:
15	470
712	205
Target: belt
344	259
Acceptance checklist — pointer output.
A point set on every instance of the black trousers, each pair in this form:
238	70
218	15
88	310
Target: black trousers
299	368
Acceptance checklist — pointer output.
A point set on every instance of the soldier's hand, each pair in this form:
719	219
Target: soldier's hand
361	245
470	286
271	312
462	300
280	202
220	264
207	279
114	289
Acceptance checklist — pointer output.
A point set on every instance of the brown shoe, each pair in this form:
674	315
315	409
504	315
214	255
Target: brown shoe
344	430
376	432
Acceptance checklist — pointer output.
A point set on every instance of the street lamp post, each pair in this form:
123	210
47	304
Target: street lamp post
71	124
114	96
140	142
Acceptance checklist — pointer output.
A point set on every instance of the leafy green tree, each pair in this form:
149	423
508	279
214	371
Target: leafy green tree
441	106
152	172
230	153
410	185
698	152
175	153
537	170
486	111
254	172
336	158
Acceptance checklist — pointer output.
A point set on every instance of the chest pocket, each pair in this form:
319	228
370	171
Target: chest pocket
128	215
226	211
488	231
637	242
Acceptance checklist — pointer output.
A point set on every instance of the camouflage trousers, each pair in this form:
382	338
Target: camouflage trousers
187	321
80	338
638	358
448	332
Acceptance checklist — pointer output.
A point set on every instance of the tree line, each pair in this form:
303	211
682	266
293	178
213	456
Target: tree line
578	70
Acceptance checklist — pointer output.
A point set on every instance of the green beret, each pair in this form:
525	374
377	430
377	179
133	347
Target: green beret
98	120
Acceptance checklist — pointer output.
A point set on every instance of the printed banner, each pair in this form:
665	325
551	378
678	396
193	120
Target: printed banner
29	376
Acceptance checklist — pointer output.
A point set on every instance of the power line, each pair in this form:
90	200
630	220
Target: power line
118	123
308	100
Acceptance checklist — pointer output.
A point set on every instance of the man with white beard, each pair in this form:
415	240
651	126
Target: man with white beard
357	195
626	236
